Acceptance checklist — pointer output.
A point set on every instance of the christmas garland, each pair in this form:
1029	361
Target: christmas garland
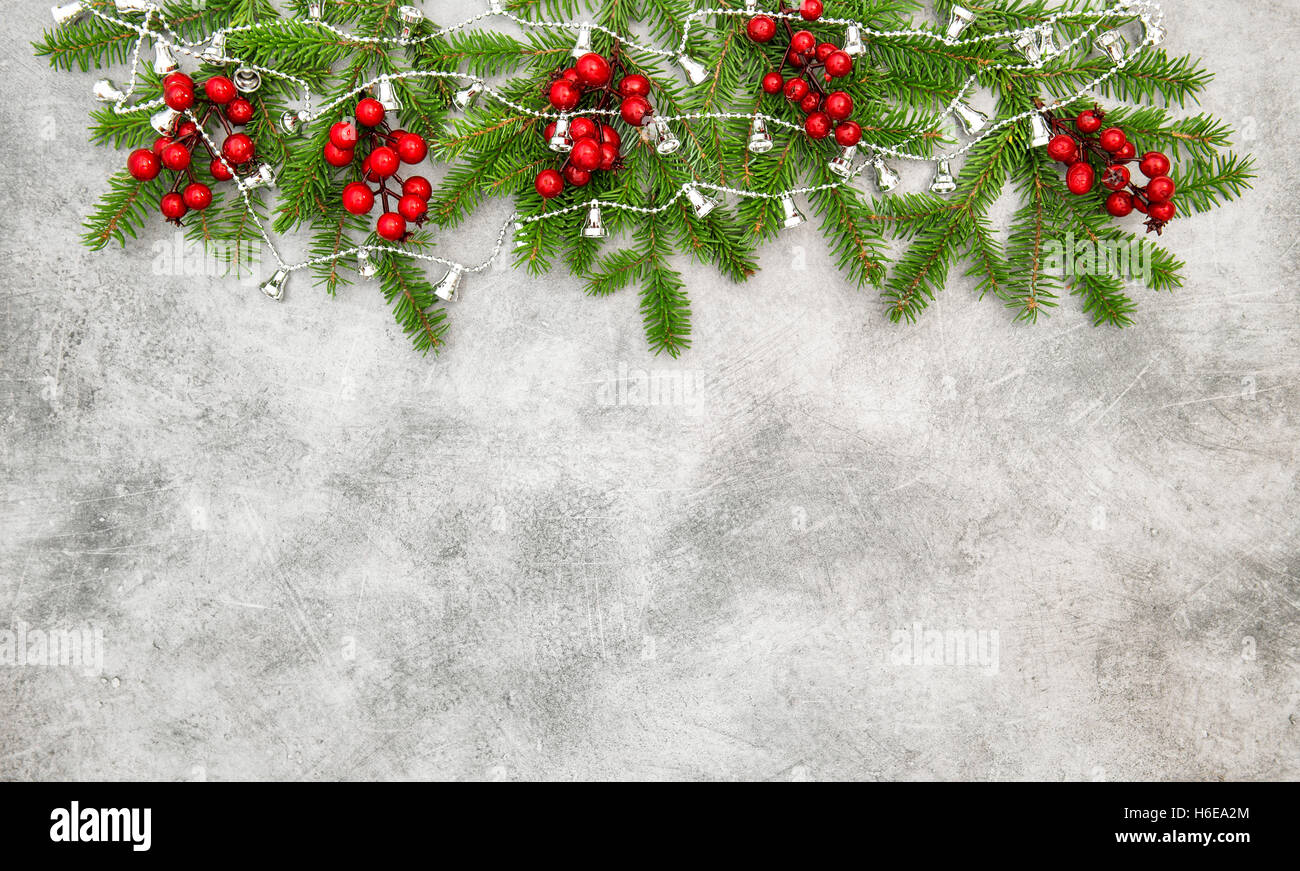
700	138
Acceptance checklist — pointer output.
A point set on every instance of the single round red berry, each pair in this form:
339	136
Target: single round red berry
1116	177
796	90
761	28
593	70
548	131
1063	148
1140	205
839	64
634	110
344	135
839	105
564	94
818	125
571	75
186	130
1128	152
811	10
220	90
610	136
370	112
198	196
1160	189
1120	204
575	176
358	198
803	42
549	184
391	226
336	156
794	59
173	206
1153	164
160	144
635	85
773	83
239	111
582	128
825	50
585	154
179	97
811	102
177	79
176	157
608	155
412	148
417	186
848	133
219	170
143	165
1088	121
1080	177
1112	139
1163	212
238	148
384	161
412	208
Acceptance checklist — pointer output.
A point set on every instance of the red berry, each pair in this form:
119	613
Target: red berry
582	128
796	90
794	59
608	155
219	170
564	94
412	148
358	198
811	10
186	130
391	226
634	110
412	208
1088	122
336	156
818	125
173	206
177	78
1063	148
803	42
198	196
1116	177
1153	164
585	154
839	64
1163	212
548	131
176	157
811	102
634	86
220	90
773	83
418	186
610	136
343	135
1080	177
593	70
239	111
839	105
1160	189
848	133
179	97
370	112
143	165
238	148
1120	204
825	50
384	161
161	143
575	176
1112	139
1140	205
1128	152
549	183
761	28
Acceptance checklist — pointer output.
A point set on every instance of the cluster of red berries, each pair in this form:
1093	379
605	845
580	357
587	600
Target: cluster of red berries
385	152
589	146
174	150
819	64
1112	148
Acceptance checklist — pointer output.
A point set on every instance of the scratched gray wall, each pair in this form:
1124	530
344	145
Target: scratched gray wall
310	553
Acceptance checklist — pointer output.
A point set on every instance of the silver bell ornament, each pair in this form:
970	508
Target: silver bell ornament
1040	132
943	183
468	95
702	205
887	178
386	94
448	290
411	17
760	140
842	163
274	286
561	141
68	12
582	45
792	216
696	72
107	92
594	226
1113	44
853	41
164	61
972	119
666	141
366	267
959	19
247	80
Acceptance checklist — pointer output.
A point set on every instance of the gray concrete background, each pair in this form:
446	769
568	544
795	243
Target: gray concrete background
314	554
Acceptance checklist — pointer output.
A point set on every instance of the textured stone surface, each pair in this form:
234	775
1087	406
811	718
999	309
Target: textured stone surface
314	554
